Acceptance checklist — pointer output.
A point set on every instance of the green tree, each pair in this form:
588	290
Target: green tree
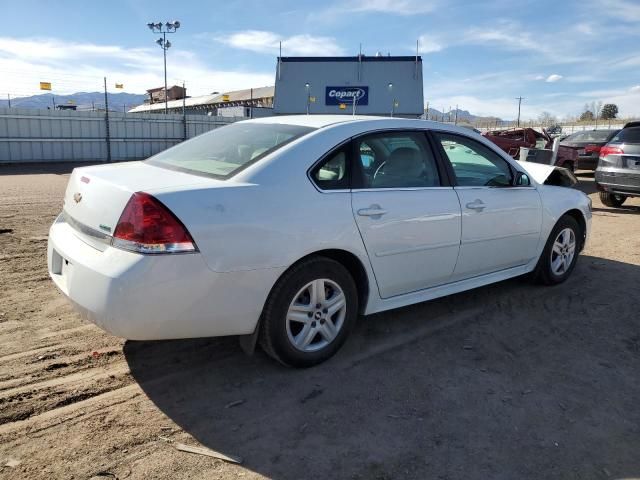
610	110
586	116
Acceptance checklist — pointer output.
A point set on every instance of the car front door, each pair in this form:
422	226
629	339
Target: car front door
501	221
408	217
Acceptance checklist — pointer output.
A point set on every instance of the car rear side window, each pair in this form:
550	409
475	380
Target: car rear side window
474	164
396	160
332	173
627	135
223	152
589	136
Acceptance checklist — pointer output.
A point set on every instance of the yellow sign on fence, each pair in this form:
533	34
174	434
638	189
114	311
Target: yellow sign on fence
119	85
45	86
225	98
343	106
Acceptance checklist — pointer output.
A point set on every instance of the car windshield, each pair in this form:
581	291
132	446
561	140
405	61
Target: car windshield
627	135
589	136
223	152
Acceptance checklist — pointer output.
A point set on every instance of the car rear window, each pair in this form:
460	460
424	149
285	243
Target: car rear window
223	152
589	136
627	135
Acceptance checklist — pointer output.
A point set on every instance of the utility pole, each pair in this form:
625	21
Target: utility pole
184	111
106	119
426	112
9	99
519	103
456	122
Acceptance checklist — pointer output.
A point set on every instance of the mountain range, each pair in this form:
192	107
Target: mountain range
464	116
83	101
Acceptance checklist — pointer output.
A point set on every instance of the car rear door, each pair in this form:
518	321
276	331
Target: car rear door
500	222
407	213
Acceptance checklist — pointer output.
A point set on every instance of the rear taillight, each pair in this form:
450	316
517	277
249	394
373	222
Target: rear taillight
610	150
147	226
592	149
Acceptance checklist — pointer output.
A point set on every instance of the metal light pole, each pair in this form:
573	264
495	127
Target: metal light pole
308	87
393	100
168	27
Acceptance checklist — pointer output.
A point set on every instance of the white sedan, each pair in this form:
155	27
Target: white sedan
283	230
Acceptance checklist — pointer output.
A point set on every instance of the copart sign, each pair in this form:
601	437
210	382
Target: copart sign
346	95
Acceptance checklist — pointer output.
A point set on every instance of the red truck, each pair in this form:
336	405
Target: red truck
510	140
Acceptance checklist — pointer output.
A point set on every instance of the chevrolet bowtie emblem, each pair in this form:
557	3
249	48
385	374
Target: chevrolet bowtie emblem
77	197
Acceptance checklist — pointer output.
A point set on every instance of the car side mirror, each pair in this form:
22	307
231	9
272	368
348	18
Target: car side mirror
522	180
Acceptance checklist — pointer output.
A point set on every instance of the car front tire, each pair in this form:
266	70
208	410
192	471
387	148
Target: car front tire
560	253
309	313
612	199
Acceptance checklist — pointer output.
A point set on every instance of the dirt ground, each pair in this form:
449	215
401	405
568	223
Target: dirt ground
509	381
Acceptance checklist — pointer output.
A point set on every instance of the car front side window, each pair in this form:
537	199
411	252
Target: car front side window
474	164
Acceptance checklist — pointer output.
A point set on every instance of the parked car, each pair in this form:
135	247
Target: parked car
282	230
618	172
554	130
587	145
512	139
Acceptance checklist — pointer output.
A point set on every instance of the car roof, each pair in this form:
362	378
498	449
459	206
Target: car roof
319	121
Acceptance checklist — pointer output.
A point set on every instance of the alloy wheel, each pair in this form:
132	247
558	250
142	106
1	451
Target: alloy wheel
563	251
316	315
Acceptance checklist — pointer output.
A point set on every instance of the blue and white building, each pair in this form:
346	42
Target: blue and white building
379	85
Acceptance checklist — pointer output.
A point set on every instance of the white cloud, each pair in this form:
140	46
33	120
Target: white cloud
584	28
269	42
635	89
74	67
620	9
429	44
399	7
554	77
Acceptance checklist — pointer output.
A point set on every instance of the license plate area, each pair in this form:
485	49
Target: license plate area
633	162
56	262
59	264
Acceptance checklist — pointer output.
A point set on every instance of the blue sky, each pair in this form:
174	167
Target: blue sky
479	55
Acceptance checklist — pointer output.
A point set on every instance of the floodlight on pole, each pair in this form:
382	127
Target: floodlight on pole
167	27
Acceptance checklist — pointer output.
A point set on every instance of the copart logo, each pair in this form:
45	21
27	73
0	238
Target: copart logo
347	95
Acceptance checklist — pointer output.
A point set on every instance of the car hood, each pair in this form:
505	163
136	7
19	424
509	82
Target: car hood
549	174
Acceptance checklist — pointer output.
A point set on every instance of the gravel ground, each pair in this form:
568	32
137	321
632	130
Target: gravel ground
508	381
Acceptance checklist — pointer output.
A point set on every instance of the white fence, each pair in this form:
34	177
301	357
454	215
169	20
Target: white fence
54	136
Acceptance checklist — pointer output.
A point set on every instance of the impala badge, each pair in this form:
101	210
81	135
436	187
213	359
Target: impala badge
77	197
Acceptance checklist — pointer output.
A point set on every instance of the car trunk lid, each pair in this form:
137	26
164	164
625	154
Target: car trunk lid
96	196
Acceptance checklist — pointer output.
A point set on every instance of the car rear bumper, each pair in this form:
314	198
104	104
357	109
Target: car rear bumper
620	181
586	163
154	297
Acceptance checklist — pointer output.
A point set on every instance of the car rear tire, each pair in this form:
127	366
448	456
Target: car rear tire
560	253
309	313
612	199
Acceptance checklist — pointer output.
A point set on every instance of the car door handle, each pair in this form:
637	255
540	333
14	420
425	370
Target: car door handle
476	205
372	211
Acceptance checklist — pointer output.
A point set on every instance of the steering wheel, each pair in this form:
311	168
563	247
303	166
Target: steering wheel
375	174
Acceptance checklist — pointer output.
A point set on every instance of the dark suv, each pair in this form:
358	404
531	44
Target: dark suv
618	172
